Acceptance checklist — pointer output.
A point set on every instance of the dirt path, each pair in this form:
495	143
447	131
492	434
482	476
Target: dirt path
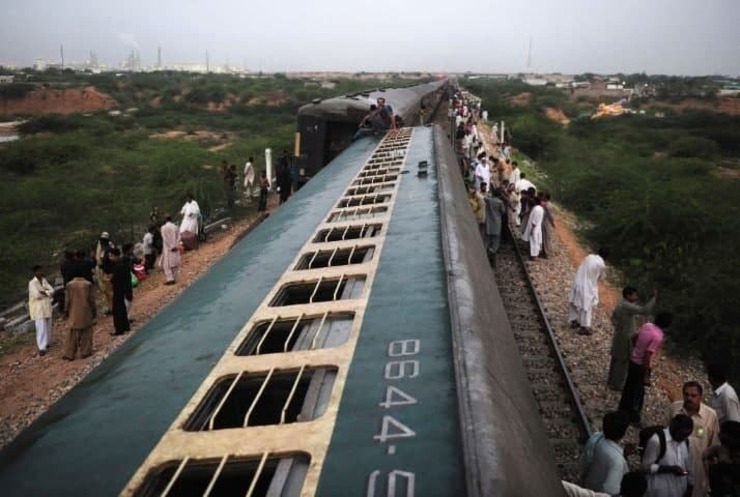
29	384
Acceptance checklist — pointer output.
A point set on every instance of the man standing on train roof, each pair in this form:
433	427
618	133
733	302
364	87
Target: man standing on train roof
623	319
386	114
190	213
170	260
584	295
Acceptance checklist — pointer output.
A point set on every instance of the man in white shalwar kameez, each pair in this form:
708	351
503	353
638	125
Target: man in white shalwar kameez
482	173
533	231
190	213
40	294
585	293
170	260
249	178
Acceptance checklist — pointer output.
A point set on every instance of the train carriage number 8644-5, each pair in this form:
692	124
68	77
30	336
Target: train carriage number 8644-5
400	366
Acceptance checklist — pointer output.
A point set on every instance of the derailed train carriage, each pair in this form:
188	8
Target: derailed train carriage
366	354
326	127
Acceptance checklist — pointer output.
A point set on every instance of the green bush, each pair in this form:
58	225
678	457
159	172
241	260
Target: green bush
694	146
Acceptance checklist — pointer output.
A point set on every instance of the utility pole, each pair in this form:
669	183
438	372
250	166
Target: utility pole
208	63
159	57
61	52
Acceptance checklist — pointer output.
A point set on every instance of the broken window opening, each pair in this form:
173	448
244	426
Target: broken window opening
366	190
230	476
356	214
374	179
319	291
348	232
337	257
275	398
364	200
280	335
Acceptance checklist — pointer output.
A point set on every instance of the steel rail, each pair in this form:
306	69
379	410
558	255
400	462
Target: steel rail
582	418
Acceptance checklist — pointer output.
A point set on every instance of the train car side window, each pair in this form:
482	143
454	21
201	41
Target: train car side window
346	287
230	476
298	333
348	233
275	398
337	257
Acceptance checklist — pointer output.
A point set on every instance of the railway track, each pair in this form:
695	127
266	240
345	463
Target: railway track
563	416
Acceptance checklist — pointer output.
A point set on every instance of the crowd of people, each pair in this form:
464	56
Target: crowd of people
500	194
112	271
696	452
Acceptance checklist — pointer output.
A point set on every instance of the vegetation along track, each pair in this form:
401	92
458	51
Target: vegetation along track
562	413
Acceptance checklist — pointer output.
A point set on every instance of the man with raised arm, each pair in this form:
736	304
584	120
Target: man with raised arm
623	319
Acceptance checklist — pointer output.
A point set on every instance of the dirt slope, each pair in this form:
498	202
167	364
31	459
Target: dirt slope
49	101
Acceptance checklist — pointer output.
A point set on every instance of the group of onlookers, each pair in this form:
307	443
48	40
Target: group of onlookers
115	270
696	453
500	195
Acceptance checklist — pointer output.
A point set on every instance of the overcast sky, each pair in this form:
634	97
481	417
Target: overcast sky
570	36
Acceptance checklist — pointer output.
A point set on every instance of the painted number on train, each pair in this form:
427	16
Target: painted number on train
396	480
397	483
